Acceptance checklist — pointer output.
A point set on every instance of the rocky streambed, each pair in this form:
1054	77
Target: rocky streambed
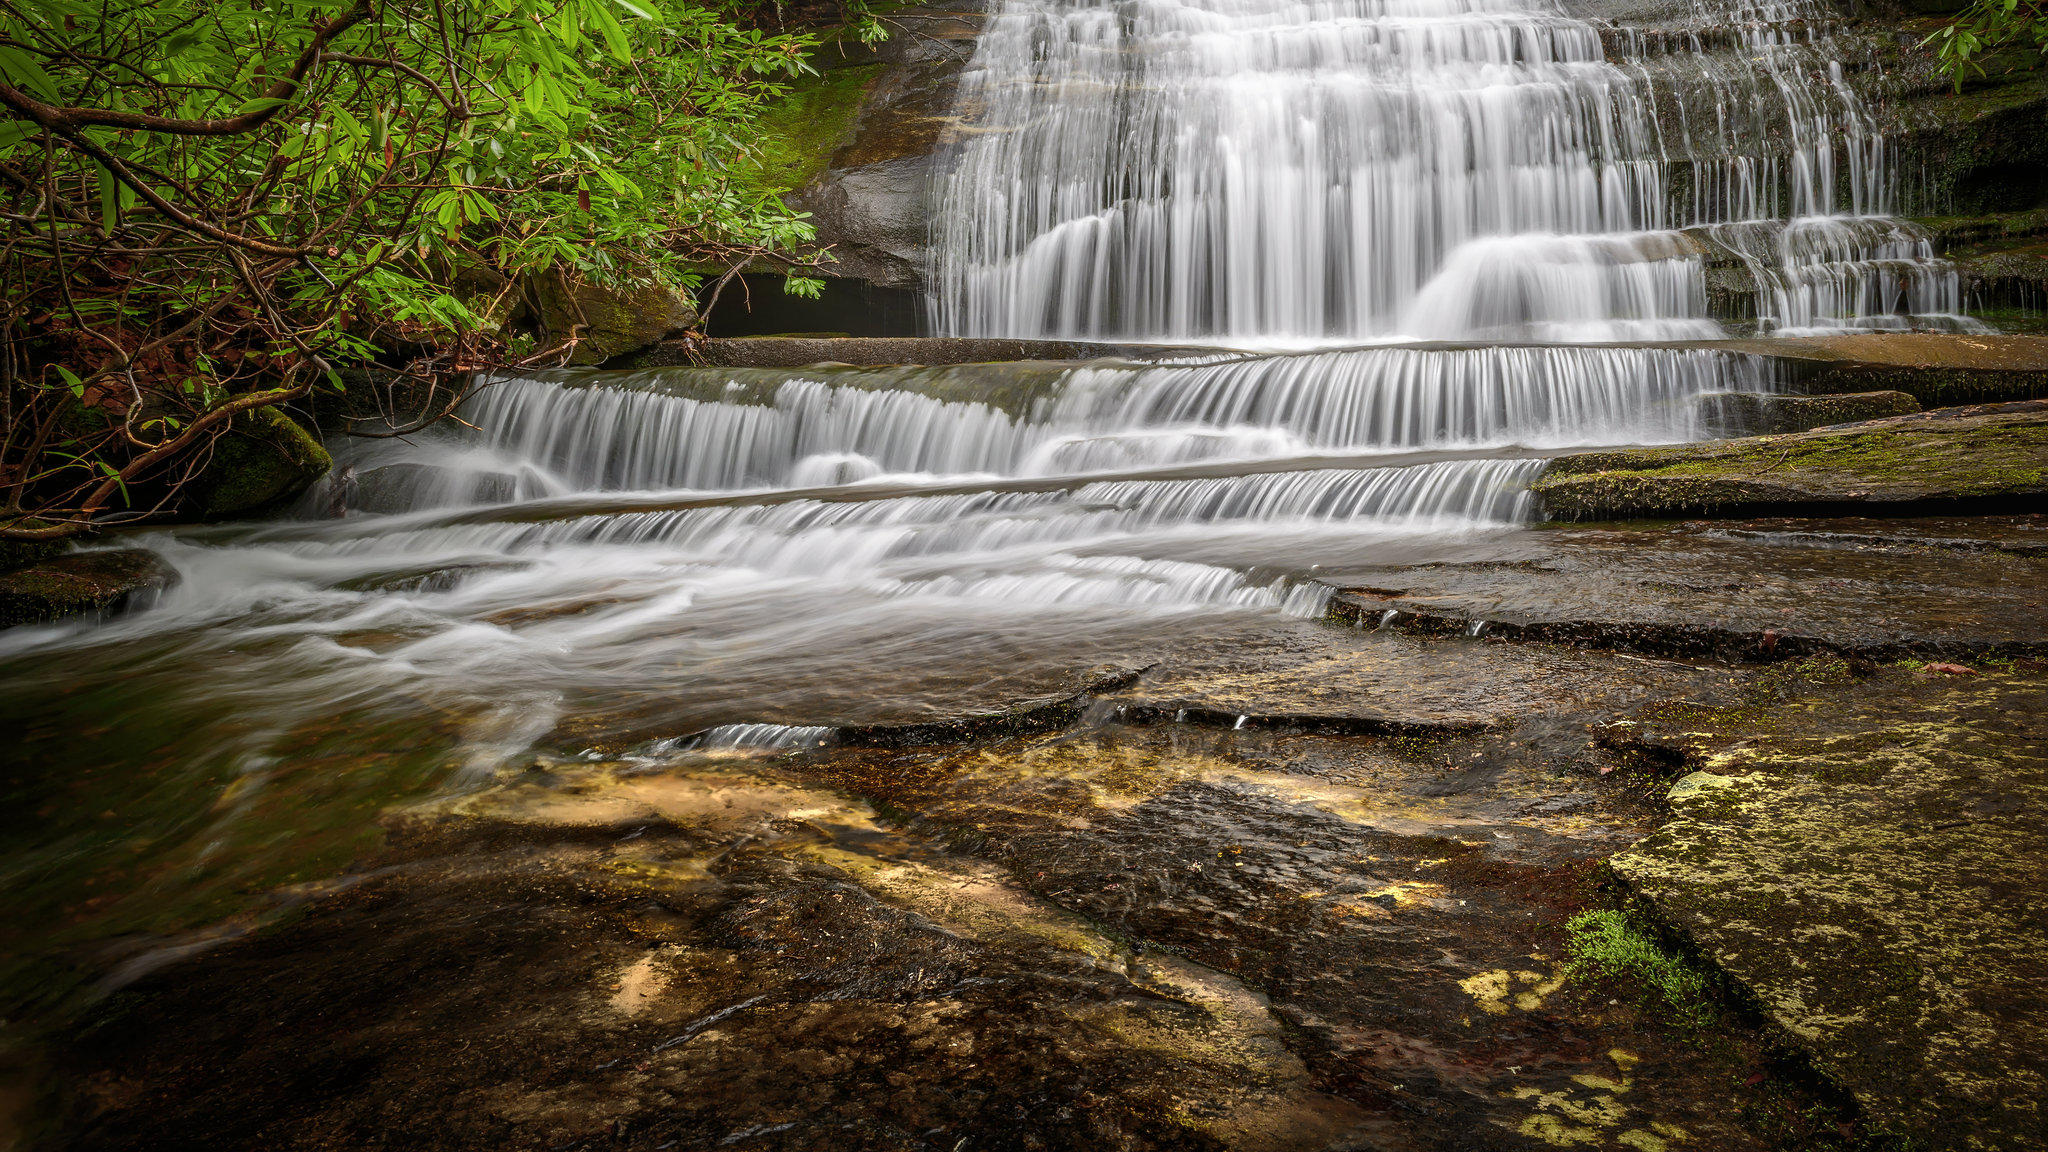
1711	833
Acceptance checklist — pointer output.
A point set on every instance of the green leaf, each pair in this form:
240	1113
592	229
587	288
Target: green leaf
260	104
110	199
22	71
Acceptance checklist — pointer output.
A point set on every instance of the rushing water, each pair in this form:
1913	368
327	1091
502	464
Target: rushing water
699	560
1305	170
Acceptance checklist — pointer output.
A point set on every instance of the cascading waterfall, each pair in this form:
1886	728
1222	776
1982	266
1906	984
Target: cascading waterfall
1316	170
749	562
674	428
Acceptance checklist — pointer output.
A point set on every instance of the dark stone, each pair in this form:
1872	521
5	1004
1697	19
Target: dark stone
263	460
871	207
607	322
1752	591
1750	413
82	583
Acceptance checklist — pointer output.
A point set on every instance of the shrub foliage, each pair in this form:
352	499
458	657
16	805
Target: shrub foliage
207	206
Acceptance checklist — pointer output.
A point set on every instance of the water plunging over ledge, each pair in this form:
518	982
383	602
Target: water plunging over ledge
1290	171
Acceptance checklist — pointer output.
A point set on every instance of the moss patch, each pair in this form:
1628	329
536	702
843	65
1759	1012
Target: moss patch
1934	458
1609	947
264	459
800	132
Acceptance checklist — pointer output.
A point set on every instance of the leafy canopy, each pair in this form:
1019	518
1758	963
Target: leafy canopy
211	201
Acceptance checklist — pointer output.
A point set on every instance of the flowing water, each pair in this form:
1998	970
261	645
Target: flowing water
695	560
1311	170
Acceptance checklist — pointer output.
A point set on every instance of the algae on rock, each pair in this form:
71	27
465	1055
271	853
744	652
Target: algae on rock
1866	865
1997	454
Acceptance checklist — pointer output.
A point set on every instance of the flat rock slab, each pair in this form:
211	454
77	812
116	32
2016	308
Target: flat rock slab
1916	349
1869	868
1319	678
1980	459
1760	590
881	351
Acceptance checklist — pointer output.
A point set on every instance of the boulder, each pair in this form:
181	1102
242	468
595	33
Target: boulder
607	321
264	459
81	583
870	201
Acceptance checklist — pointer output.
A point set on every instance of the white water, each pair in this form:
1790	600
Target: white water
821	426
1310	170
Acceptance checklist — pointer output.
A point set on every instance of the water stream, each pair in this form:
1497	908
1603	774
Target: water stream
704	558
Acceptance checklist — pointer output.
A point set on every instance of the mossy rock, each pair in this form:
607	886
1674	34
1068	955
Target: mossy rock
264	459
22	553
797	135
1993	456
608	321
1737	413
80	583
1862	864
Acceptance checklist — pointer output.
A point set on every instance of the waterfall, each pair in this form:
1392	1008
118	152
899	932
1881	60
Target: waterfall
1312	170
662	429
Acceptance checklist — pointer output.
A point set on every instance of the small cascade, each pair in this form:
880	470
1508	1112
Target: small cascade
1309	170
1833	273
650	430
751	738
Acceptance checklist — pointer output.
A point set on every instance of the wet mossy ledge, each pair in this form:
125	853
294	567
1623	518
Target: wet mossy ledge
1980	458
1860	864
81	584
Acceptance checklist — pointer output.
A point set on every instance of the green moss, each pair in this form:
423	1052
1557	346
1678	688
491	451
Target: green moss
1607	947
799	133
265	458
1935	459
77	584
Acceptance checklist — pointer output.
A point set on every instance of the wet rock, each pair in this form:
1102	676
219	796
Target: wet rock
870	205
1944	459
2013	278
751	964
606	321
1767	592
263	460
1982	149
910	707
873	351
1865	864
1934	368
1310	678
1155	937
1407	938
1756	414
81	584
